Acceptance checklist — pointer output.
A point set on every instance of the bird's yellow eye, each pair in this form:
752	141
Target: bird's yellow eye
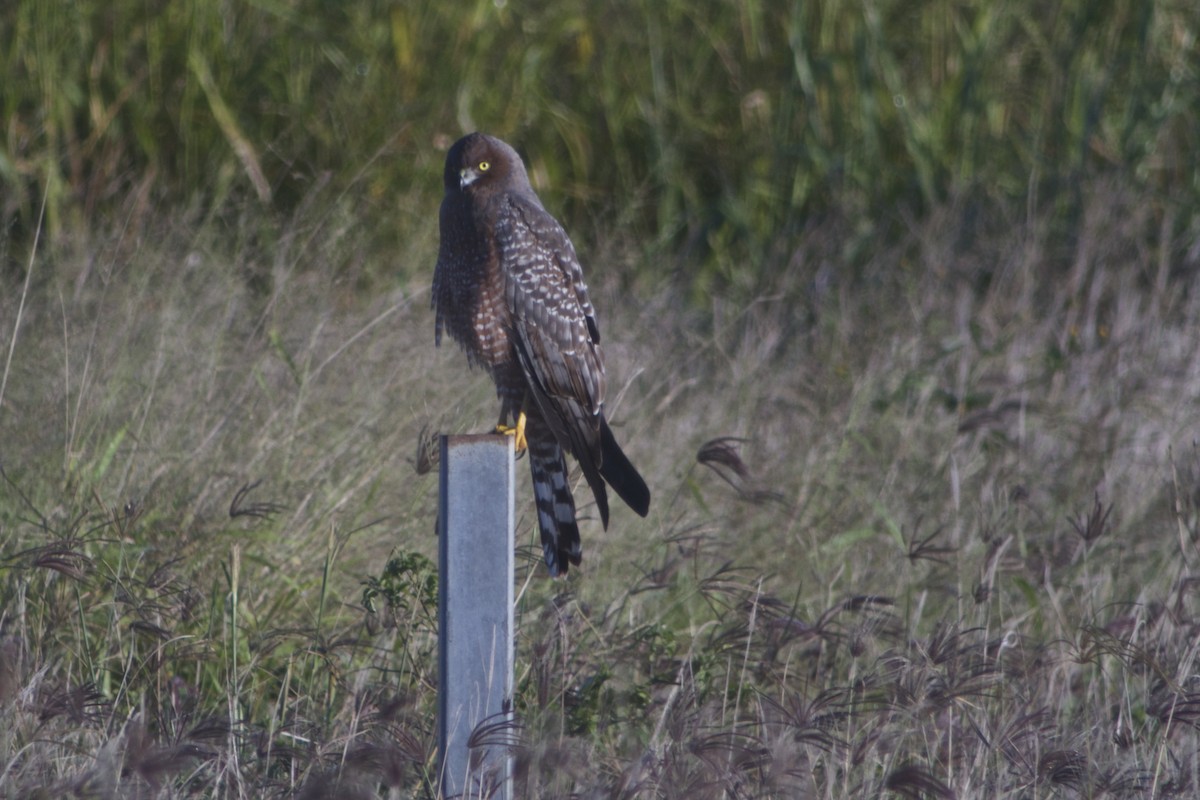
484	166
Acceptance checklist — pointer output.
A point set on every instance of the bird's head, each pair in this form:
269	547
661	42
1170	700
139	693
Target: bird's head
479	160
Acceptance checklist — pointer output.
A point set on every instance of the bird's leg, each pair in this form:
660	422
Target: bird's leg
517	431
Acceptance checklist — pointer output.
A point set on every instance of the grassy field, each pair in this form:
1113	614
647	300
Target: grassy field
926	534
901	314
712	132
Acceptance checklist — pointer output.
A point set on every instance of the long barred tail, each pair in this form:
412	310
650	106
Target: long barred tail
555	505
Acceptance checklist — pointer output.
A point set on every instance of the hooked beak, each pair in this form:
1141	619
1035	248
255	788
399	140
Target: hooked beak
466	177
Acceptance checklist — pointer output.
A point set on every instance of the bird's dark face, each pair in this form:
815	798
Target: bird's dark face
477	161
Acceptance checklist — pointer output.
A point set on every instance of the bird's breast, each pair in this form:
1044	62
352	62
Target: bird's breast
472	302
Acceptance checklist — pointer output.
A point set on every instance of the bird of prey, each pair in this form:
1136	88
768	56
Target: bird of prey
509	289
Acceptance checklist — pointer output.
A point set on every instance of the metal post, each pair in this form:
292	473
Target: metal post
475	615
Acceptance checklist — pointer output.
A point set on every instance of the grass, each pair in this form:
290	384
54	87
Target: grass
900	310
709	131
928	533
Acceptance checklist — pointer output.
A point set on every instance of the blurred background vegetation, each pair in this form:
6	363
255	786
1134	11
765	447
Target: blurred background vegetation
923	444
708	132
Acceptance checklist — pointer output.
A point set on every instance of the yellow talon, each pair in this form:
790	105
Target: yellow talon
518	434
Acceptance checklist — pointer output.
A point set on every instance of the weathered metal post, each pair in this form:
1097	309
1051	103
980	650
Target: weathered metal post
475	615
